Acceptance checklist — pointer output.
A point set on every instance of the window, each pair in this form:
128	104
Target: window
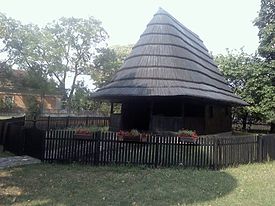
117	108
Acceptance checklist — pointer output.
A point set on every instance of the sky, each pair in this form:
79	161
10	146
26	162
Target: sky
221	24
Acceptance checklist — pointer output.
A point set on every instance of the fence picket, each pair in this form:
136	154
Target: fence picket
105	148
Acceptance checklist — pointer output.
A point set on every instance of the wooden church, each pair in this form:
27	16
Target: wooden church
169	82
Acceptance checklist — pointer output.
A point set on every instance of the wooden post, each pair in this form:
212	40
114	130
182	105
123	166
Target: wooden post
97	147
112	108
260	148
86	121
34	121
157	150
67	121
216	154
151	116
182	114
48	122
43	144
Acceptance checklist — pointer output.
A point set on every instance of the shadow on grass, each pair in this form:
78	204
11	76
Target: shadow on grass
84	185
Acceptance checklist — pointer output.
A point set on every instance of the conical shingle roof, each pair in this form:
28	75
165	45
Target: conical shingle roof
169	60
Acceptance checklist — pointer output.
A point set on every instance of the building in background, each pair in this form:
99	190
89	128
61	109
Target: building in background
16	98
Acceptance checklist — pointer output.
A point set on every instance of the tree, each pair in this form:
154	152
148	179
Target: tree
107	62
71	44
80	99
64	47
82	102
250	78
266	24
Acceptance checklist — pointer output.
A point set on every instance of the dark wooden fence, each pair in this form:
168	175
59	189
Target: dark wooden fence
25	141
268	145
252	127
105	148
49	122
6	123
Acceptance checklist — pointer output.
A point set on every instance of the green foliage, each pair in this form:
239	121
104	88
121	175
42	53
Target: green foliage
250	78
63	47
6	103
33	107
70	46
99	107
80	99
266	24
82	102
37	80
83	130
3	106
107	62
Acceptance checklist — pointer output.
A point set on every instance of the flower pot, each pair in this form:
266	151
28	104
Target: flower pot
186	139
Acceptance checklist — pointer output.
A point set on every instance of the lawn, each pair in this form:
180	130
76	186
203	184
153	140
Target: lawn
50	184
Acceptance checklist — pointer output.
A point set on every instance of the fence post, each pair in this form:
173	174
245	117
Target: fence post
67	121
259	148
216	153
157	150
34	122
97	147
86	121
48	123
43	145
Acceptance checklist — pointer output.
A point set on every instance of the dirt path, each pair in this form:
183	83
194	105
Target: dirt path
6	162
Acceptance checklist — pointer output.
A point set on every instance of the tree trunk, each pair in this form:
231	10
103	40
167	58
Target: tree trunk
72	88
42	99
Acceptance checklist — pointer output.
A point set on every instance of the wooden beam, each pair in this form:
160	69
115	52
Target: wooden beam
112	108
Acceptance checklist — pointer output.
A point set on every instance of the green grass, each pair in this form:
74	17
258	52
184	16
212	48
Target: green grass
49	184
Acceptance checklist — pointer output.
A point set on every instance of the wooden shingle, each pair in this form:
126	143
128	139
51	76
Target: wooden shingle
169	60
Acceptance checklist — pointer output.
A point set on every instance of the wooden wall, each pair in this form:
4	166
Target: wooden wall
203	117
162	123
135	114
115	122
220	121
